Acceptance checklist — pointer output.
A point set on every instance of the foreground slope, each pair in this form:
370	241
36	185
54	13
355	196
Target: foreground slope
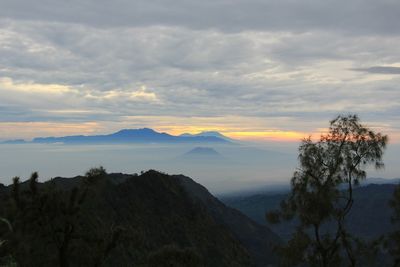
258	240
159	214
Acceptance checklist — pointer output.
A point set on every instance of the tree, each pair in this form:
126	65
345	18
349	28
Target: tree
322	193
9	228
394	238
94	174
49	225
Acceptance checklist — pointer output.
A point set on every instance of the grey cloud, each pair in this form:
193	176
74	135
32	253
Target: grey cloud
203	73
379	70
10	112
356	17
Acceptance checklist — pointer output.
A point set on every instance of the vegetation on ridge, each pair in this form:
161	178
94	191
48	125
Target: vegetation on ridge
105	219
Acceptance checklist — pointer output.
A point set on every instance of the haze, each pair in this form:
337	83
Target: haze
237	168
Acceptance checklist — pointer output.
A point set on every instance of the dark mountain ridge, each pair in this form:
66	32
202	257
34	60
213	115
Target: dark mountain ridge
258	240
159	211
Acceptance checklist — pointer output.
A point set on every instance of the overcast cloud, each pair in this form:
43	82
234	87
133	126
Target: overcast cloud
286	65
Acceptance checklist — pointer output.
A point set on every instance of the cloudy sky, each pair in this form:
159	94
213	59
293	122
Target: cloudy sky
252	69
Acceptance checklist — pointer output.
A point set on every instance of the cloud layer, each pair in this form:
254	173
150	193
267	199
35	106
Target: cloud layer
355	17
267	66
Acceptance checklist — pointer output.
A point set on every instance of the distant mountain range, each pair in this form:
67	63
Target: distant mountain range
144	135
283	188
207	134
369	218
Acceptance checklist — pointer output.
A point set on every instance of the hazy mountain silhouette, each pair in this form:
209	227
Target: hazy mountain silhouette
283	188
208	134
361	221
202	155
144	135
15	141
202	152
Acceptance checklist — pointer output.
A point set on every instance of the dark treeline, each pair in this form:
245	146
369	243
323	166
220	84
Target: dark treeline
45	225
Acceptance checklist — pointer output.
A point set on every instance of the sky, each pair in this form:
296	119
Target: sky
251	69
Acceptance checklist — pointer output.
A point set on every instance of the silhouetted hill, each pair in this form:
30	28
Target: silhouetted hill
206	156
144	135
203	151
368	218
160	214
201	154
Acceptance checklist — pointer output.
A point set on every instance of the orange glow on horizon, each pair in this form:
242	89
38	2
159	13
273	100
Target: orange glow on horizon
288	136
28	130
272	135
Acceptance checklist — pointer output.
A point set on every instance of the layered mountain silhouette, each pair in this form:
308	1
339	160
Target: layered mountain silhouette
207	134
144	135
162	217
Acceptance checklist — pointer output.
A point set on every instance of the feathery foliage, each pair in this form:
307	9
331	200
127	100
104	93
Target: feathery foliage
46	224
339	159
